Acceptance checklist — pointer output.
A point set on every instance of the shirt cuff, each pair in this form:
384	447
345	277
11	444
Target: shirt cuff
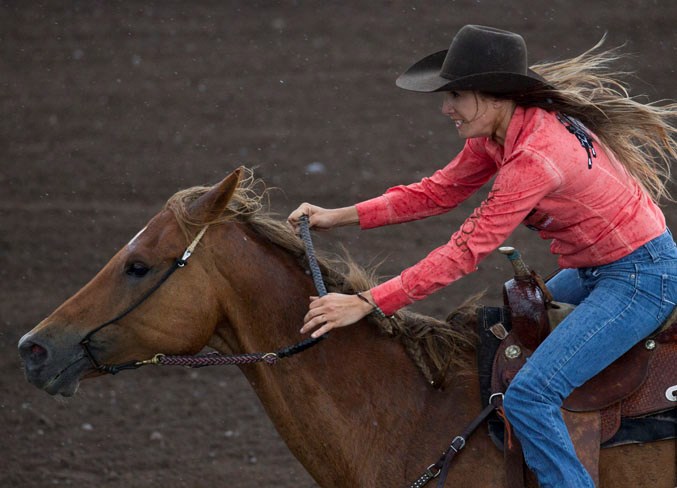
390	296
373	213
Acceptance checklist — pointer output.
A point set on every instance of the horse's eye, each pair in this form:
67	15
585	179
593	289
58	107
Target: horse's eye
137	269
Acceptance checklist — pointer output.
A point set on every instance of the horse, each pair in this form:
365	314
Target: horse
370	406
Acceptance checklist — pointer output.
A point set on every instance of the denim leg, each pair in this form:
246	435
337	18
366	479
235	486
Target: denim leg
629	299
567	286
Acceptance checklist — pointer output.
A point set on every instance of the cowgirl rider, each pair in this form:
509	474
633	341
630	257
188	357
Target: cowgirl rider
592	192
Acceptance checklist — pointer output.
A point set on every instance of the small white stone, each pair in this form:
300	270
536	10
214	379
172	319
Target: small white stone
316	167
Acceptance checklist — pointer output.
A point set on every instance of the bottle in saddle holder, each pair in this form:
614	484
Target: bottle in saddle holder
525	301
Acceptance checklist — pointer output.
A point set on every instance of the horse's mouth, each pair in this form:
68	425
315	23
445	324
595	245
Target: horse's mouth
66	381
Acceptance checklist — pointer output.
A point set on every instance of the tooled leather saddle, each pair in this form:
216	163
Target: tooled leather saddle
633	400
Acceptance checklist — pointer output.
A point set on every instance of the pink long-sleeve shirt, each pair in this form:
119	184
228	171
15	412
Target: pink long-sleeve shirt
593	216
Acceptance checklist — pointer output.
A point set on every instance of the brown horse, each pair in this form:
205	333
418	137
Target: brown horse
355	409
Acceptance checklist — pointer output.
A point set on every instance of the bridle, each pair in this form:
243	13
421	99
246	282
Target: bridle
212	358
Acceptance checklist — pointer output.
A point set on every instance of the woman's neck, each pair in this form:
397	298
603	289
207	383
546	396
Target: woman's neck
503	121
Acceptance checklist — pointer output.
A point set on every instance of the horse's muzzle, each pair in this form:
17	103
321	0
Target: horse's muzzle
55	370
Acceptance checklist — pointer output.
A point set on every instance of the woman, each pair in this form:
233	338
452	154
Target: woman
592	192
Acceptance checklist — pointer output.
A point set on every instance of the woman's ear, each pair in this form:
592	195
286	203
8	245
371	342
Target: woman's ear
496	102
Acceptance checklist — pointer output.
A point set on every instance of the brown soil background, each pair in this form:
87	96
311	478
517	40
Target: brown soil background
108	108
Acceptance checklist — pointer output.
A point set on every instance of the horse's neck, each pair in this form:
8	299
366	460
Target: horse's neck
350	406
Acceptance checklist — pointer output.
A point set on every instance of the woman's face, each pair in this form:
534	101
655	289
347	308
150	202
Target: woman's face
477	115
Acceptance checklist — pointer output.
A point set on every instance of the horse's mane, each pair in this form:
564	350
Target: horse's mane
437	347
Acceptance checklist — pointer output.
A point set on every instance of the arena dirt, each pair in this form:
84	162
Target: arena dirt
108	108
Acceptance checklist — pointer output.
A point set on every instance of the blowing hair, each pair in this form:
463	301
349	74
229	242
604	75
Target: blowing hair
641	136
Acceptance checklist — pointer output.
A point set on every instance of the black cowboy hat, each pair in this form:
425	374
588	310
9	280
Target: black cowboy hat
479	58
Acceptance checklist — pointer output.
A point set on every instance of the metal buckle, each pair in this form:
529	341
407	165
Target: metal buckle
462	443
429	471
491	398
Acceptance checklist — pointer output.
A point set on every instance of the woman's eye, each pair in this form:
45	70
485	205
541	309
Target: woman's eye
137	269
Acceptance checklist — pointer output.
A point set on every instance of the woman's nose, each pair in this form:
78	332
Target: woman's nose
447	107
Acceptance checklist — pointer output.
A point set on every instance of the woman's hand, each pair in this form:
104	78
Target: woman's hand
334	310
323	218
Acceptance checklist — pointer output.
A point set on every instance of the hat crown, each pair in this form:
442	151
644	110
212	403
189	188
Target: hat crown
479	58
478	49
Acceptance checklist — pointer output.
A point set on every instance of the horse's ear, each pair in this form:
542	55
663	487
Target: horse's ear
212	204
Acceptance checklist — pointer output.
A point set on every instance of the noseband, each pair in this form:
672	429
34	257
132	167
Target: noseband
116	368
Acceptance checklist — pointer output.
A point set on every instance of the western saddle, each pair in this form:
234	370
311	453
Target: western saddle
641	383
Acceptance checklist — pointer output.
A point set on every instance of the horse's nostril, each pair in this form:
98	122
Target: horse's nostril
33	353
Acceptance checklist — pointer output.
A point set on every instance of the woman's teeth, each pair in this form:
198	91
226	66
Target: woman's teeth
458	123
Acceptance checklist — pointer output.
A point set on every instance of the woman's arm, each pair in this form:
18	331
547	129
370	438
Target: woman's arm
433	195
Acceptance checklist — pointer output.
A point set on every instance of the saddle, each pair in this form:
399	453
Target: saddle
604	412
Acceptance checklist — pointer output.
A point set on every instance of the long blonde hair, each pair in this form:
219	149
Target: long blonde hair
642	136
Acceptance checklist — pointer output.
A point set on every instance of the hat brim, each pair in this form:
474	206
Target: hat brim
424	76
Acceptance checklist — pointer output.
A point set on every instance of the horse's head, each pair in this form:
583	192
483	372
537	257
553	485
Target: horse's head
93	327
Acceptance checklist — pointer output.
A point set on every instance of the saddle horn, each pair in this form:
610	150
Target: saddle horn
518	265
525	302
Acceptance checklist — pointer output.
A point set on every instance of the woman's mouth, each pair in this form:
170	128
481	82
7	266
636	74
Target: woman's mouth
458	123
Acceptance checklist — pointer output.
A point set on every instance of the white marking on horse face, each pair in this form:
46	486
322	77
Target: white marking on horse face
130	244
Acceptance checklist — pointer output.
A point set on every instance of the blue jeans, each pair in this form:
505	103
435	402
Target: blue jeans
618	305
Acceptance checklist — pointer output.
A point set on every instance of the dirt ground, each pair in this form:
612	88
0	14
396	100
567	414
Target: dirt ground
108	108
